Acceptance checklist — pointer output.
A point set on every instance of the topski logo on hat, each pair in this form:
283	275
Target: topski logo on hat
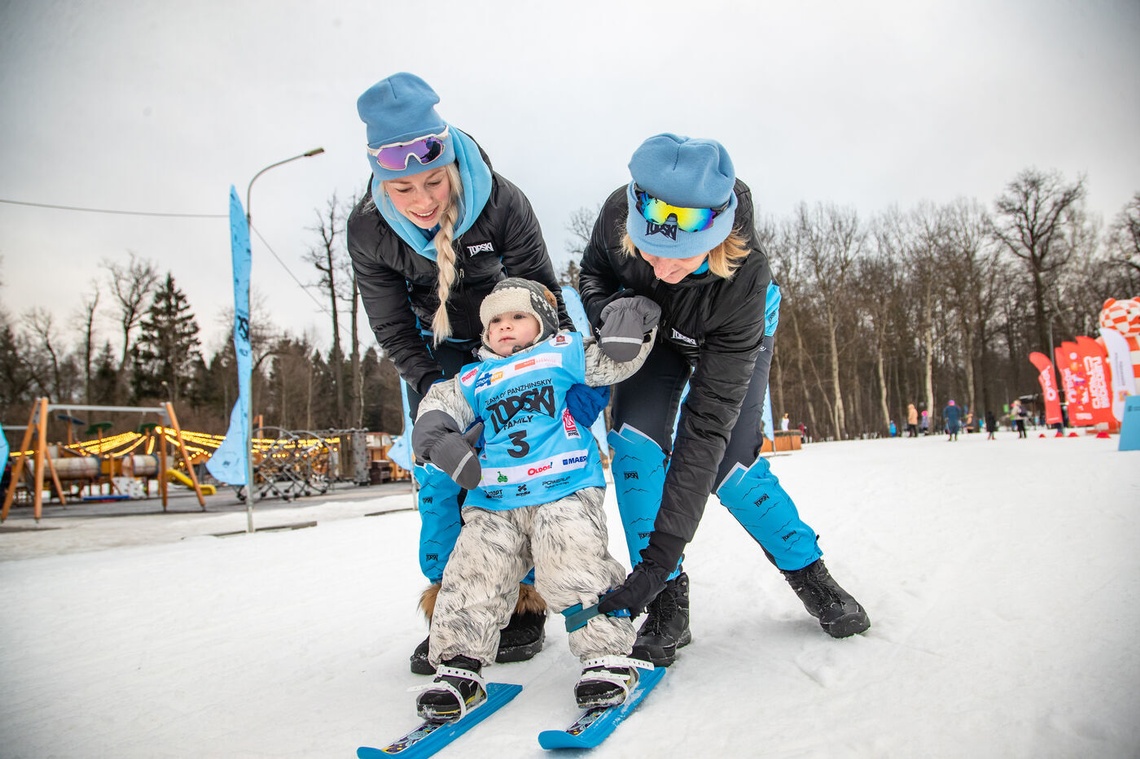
669	230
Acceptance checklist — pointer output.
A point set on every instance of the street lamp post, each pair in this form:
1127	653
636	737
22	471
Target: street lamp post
249	413
248	209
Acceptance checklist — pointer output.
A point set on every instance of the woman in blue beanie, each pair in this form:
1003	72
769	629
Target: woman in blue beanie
437	230
682	234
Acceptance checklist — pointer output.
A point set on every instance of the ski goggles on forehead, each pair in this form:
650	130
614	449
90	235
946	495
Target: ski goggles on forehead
395	156
687	219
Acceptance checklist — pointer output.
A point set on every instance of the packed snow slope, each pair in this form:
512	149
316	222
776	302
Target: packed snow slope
1000	576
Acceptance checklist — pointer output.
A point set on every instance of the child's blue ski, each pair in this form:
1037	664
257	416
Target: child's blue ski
595	725
430	737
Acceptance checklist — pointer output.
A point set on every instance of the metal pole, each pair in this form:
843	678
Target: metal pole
249	414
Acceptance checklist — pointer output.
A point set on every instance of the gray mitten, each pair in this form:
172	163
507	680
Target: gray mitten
625	323
436	439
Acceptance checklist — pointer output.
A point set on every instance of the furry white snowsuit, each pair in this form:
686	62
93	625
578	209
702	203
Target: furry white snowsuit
565	540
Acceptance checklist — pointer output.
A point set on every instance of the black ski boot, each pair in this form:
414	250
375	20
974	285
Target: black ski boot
420	663
839	614
524	635
457	688
522	638
666	626
419	657
606	681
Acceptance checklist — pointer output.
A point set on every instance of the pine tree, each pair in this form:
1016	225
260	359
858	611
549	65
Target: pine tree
167	348
104	376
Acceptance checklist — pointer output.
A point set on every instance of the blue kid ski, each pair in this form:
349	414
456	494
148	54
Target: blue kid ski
595	725
430	737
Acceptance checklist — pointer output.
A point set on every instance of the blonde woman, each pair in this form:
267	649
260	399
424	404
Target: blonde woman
437	231
681	233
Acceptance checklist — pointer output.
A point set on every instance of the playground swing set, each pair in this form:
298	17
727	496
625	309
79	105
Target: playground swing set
118	471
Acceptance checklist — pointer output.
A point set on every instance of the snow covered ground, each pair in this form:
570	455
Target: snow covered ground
1001	579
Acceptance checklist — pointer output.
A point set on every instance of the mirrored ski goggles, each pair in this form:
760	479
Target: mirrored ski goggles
687	219
396	155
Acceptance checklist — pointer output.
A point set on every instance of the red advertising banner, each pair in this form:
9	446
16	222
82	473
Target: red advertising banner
1075	384
1095	360
1048	387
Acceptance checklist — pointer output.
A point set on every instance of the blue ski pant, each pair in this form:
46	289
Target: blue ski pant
644	414
438	498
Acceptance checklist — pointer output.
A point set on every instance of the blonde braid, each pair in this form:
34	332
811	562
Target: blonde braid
445	256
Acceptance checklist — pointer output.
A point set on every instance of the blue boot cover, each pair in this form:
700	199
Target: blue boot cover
638	467
754	496
438	503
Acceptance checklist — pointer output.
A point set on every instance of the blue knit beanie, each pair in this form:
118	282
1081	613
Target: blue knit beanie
687	172
399	109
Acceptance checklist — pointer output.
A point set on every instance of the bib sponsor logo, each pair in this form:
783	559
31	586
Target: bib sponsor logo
546	470
537	400
487	379
569	426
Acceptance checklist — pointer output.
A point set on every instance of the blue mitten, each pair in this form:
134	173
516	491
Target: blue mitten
585	403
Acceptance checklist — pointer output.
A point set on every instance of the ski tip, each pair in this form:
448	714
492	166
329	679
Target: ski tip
505	691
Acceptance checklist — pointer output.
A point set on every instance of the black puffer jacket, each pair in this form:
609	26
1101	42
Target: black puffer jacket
398	285
717	324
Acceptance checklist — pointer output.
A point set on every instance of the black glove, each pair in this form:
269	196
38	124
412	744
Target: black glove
436	439
625	323
658	560
642	586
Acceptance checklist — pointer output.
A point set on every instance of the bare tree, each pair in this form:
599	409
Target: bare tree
1074	294
86	320
880	292
831	240
52	369
798	325
1030	221
580	227
972	265
1123	243
356	390
923	235
131	286
328	259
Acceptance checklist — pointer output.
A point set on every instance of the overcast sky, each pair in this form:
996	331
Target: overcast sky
159	107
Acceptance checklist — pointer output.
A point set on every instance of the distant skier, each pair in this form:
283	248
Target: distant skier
952	415
991	425
911	420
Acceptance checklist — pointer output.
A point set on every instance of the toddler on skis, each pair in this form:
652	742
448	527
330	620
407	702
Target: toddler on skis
535	491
